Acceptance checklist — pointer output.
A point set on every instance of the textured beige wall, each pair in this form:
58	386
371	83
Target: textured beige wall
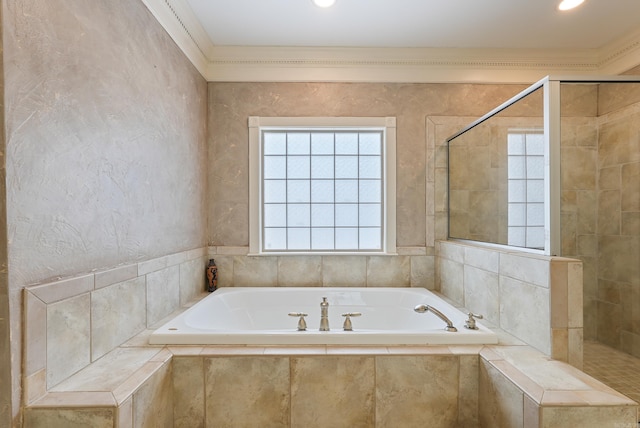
5	354
230	105
105	150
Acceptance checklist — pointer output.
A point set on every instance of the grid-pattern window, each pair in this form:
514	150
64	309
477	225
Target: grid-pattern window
526	189
322	190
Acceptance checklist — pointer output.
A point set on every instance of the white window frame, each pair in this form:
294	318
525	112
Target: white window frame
258	124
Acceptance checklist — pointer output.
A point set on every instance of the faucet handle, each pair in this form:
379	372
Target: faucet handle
347	326
302	324
471	322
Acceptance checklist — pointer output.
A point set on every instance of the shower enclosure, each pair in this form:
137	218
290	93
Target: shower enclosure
556	170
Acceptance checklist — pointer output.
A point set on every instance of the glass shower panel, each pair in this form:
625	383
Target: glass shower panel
496	171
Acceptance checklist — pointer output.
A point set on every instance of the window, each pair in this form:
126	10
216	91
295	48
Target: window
322	185
526	188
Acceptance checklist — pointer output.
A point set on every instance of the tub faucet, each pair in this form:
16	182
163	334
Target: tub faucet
324	315
424	308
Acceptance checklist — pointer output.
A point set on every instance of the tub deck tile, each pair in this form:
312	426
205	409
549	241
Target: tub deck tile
186	350
86	399
110	371
232	350
295	350
357	350
419	349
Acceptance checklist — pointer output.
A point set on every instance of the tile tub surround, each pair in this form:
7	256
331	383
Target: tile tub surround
411	267
536	298
197	386
74	322
137	384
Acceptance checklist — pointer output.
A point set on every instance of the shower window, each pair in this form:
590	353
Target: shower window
322	185
525	151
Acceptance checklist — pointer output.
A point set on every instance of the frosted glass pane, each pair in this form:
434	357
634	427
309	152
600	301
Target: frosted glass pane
370	143
535	190
347	239
299	239
346	143
322	143
275	143
322	166
517	215
516	236
298	215
535	167
370	167
275	215
535	237
535	144
275	239
517	191
298	167
535	214
322	239
346	167
299	191
322	215
515	144
370	238
347	215
370	191
275	167
321	190
275	191
298	143
370	215
516	167
346	191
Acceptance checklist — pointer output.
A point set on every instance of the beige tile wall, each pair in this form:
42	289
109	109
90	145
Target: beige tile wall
73	322
601	206
536	298
326	390
616	295
410	268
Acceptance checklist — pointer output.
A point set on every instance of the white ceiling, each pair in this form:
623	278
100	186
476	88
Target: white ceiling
513	24
502	41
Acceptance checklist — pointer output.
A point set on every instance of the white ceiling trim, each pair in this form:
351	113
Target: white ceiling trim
295	64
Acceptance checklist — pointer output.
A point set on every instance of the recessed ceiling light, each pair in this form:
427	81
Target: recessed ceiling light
324	3
569	4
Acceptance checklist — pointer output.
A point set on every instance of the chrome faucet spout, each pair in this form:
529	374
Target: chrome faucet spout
424	308
324	315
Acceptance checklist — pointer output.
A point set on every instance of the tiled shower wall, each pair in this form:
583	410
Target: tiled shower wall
617	301
600	207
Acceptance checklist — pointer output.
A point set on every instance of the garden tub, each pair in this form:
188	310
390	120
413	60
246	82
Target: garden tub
270	316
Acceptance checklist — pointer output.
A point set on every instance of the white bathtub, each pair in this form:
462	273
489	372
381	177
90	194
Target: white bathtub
260	316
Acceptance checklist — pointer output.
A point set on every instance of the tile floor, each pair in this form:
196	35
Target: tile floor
614	368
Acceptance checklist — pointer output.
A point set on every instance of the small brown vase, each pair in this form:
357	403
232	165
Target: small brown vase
212	275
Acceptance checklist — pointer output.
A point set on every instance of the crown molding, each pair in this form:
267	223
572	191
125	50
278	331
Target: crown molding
179	21
620	55
415	65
